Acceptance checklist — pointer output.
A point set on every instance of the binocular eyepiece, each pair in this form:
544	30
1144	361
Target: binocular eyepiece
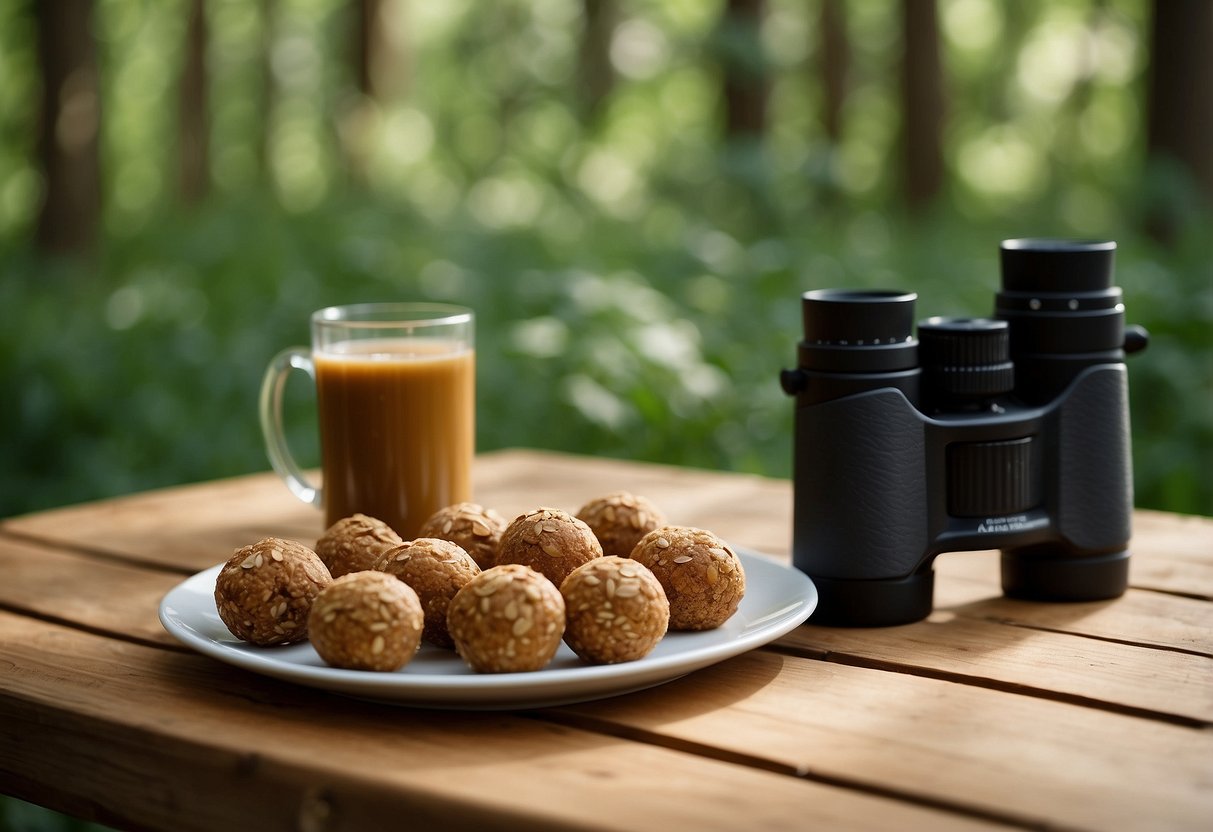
1005	432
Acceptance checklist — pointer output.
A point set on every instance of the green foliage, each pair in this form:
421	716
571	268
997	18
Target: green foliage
636	279
608	342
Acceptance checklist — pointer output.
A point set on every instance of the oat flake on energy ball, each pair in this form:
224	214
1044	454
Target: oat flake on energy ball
615	610
366	621
620	519
354	543
550	541
507	619
265	591
470	525
436	570
702	577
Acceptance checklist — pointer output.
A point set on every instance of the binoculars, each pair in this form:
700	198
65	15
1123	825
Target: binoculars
1009	432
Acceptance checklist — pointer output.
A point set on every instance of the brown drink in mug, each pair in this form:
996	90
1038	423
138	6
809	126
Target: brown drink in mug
395	388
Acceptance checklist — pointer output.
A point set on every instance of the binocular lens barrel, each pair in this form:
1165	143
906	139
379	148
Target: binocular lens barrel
858	317
1059	298
1063	311
858	331
1037	265
854	340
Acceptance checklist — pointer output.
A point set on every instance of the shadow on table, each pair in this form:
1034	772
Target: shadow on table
712	689
1028	615
346	731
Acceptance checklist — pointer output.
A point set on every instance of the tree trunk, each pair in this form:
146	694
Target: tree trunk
380	76
998	100
834	61
594	58
269	86
1180	120
745	84
380	72
922	104
365	43
194	113
69	125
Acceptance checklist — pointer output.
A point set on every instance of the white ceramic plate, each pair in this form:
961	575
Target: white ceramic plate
778	599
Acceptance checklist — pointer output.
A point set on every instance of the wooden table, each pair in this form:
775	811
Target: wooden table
992	713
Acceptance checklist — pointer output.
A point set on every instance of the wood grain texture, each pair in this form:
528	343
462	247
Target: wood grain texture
180	742
94	594
1158	684
973	748
991	712
183	529
192	527
817	719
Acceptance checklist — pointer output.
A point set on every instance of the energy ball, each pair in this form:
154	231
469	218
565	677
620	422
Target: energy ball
550	541
507	619
616	610
470	525
619	520
265	591
353	544
366	621
702	577
436	570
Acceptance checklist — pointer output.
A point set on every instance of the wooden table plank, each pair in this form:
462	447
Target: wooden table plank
819	719
124	599
165	734
1162	534
191	527
113	598
1155	683
968	584
993	711
755	510
1137	618
196	520
183	529
184	525
931	738
1172	553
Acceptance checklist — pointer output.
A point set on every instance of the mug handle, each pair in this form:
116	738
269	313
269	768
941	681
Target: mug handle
270	406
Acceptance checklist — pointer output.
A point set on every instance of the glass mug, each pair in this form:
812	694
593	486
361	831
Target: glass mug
395	390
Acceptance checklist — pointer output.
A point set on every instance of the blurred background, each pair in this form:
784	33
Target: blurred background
632	194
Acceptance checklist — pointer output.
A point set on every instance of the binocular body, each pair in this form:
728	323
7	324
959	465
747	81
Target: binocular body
1006	433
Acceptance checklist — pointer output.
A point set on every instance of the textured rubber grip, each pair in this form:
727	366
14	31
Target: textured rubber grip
861	502
1095	499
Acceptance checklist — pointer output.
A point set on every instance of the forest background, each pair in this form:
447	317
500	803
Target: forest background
632	194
